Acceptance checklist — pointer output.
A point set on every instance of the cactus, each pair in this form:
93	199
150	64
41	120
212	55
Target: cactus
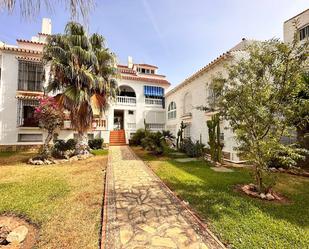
179	140
214	138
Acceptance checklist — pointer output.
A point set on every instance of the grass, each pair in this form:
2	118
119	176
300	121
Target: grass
100	152
239	220
63	200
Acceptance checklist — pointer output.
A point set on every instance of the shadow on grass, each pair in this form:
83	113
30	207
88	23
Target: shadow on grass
212	194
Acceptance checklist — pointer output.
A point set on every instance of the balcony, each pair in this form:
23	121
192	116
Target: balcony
187	115
154	102
125	100
156	127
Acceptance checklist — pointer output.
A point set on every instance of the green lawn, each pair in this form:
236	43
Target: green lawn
238	220
63	200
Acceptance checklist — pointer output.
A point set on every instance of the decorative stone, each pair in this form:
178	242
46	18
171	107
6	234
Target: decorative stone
4	232
18	234
262	195
163	242
270	197
126	233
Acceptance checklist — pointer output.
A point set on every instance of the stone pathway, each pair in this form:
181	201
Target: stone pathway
221	169
186	160
140	212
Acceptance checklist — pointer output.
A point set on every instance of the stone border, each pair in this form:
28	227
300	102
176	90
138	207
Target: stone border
190	216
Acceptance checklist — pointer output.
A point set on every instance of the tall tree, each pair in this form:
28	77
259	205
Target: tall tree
81	71
30	8
258	99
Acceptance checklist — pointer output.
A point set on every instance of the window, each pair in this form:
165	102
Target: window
171	111
30	76
25	113
187	103
30	137
187	131
131	112
304	33
152	71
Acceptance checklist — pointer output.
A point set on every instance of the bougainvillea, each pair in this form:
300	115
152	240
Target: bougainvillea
50	117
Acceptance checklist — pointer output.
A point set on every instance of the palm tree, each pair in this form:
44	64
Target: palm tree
29	8
81	71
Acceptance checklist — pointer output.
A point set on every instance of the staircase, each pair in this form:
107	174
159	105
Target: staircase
117	137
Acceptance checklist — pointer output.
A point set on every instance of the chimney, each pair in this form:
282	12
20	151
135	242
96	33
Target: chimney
46	26
130	62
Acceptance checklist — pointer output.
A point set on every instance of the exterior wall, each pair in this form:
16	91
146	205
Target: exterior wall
289	28
199	90
8	108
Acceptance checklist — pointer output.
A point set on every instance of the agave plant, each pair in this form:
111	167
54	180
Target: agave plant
82	74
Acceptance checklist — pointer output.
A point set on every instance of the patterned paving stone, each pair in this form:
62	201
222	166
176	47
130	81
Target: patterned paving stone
142	213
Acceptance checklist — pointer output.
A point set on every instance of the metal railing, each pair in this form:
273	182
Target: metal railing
125	100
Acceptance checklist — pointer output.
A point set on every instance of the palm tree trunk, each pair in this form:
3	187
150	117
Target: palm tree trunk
46	150
82	144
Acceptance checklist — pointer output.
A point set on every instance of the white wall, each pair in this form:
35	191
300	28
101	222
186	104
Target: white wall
199	91
289	27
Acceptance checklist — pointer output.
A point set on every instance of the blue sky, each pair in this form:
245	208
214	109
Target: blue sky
179	36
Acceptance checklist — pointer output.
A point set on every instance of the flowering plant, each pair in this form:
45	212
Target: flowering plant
50	116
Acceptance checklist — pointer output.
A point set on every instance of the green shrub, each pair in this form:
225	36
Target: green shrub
192	149
136	139
153	142
70	144
63	148
96	143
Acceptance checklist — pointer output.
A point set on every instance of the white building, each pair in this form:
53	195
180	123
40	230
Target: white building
298	24
196	90
182	104
141	97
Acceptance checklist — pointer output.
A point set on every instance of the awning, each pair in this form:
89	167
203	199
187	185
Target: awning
154	91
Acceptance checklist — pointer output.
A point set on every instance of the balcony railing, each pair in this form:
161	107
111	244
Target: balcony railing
99	124
125	100
156	127
131	126
151	101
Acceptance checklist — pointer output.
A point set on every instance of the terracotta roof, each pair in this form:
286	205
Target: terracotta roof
239	47
144	79
22	50
122	66
28	97
199	72
126	71
296	15
28	41
26	58
146	65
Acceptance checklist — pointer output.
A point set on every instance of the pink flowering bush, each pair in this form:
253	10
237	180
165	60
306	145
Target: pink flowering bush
50	117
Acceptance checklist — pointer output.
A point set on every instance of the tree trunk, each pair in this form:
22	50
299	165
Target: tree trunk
82	147
258	178
46	153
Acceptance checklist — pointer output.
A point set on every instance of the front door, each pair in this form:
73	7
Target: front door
118	119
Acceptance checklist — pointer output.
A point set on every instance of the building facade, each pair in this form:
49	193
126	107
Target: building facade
183	102
298	24
22	84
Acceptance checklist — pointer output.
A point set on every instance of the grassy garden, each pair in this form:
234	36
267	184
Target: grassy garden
63	200
238	220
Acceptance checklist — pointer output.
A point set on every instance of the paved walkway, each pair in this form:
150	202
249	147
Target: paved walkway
140	212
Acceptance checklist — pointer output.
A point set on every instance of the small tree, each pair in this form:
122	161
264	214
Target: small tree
258	99
50	117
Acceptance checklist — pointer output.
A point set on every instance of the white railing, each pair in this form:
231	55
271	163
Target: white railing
156	127
99	124
125	100
149	101
131	126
